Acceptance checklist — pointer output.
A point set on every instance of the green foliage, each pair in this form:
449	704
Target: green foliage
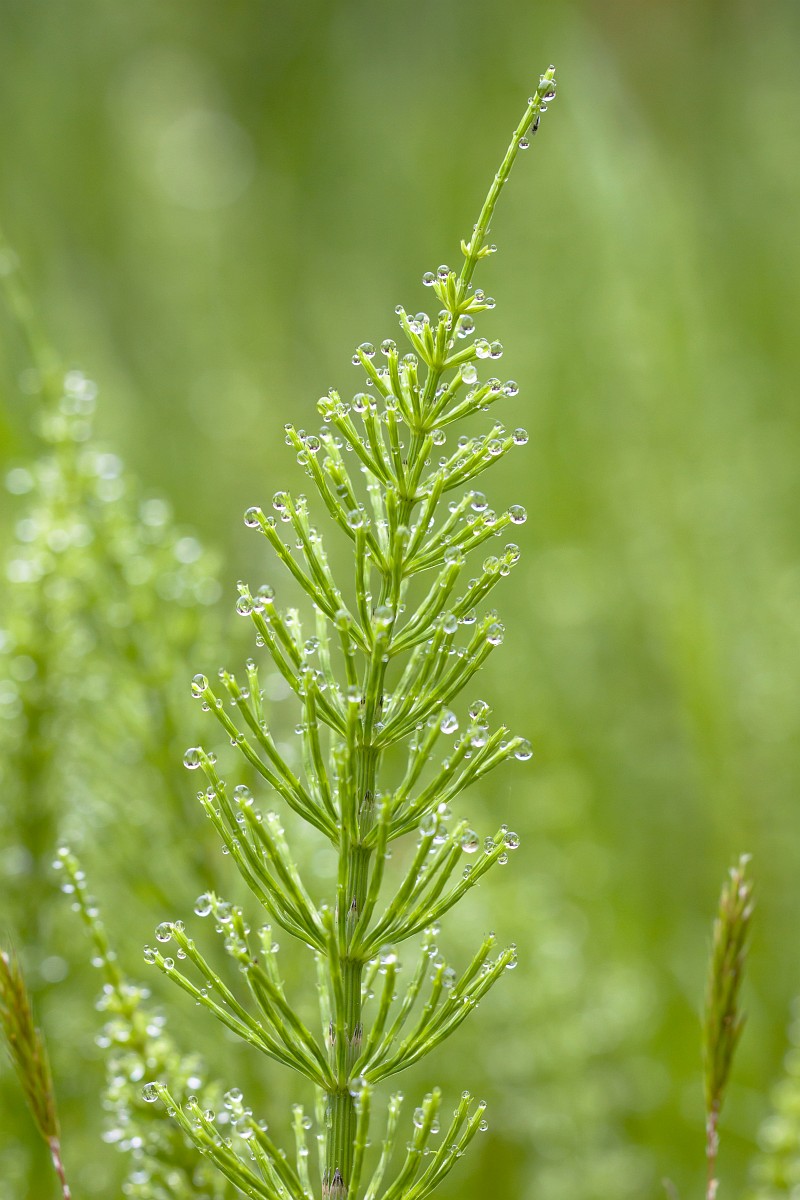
776	1169
658	596
381	671
105	600
90	739
106	596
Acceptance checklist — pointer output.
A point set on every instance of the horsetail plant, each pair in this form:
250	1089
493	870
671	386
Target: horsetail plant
382	668
136	1042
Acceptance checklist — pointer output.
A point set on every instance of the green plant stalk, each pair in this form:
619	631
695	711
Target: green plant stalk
354	853
723	1022
28	1054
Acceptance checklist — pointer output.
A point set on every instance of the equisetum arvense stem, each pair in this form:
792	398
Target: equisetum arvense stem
341	1103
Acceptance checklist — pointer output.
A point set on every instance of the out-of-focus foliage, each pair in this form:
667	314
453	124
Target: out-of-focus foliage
776	1171
104	603
213	200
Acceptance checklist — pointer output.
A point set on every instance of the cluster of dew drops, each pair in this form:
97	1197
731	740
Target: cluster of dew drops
484	349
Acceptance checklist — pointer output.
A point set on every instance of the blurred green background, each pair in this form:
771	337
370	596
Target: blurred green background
212	204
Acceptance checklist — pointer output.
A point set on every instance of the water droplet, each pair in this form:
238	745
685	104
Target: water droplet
450	624
429	279
448	722
253	517
512	840
367	349
470	841
438	437
428	825
524	751
202	905
468	373
164	932
150	1093
482	348
199	685
243	795
192	758
388	347
517	514
355	518
483	1126
494	634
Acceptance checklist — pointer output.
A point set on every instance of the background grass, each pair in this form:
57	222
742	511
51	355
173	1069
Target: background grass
213	203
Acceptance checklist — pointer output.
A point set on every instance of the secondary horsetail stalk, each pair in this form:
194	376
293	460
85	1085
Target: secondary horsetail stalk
383	666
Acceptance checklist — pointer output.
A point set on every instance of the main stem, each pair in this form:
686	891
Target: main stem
340	1145
341	1104
482	226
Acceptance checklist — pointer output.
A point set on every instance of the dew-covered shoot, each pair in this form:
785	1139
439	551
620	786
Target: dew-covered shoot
378	674
136	1043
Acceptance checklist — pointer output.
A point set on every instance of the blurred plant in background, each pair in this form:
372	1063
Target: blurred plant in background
105	601
776	1170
